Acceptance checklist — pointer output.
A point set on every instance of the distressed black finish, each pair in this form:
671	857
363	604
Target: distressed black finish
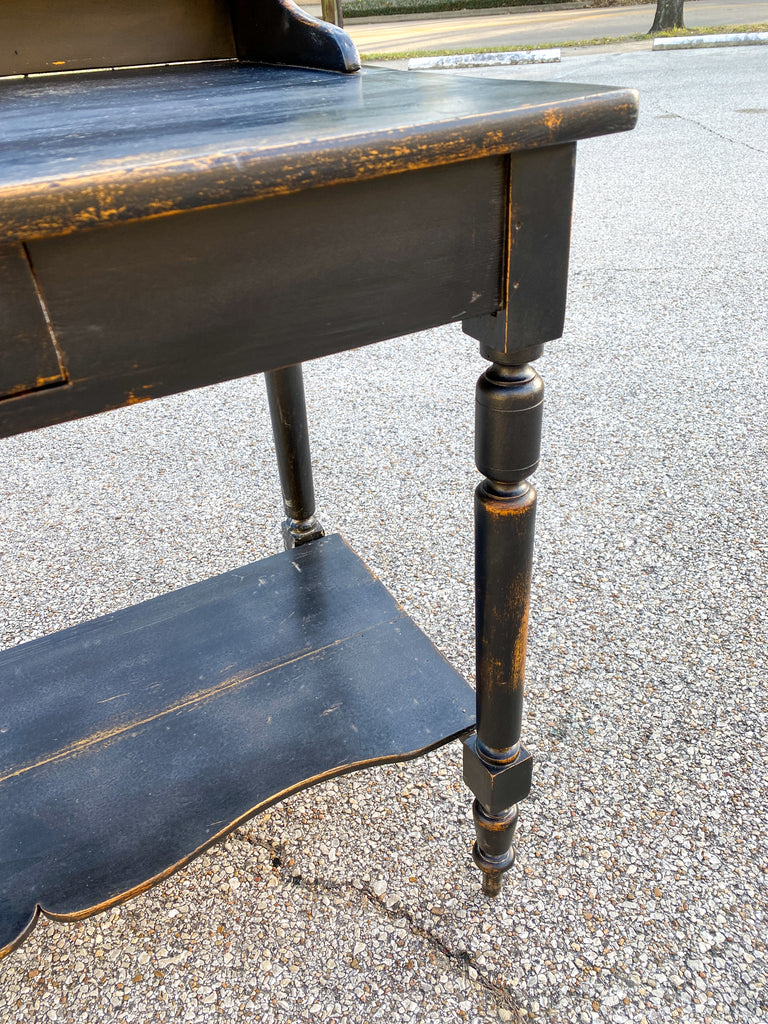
288	412
535	276
167	227
497	768
509	407
107	148
280	32
187	714
28	357
261	284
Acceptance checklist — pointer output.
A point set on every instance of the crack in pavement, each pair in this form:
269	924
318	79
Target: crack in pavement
396	912
712	131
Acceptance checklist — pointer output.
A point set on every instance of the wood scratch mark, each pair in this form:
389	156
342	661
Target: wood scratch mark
193	700
340	769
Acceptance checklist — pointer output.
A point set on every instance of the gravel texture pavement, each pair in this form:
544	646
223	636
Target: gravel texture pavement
641	887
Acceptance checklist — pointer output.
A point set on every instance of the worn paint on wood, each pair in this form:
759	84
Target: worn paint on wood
195	710
172	227
250	287
535	278
29	359
508	408
99	149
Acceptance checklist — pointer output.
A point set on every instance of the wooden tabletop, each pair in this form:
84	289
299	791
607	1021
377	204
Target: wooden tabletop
78	150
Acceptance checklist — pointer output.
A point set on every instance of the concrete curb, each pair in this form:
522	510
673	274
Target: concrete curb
700	42
484	60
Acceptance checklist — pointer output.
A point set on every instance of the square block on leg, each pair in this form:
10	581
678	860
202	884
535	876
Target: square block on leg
497	789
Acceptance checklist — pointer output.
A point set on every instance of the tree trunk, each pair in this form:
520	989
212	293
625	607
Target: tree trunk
669	14
332	12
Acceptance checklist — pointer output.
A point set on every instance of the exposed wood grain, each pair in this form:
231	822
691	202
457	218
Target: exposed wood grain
183	716
169	227
538	235
28	357
160	306
497	768
100	149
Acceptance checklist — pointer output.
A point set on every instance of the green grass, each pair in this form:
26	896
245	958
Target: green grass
714	30
379	8
599	41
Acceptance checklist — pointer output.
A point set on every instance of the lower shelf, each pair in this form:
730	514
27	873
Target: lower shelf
131	743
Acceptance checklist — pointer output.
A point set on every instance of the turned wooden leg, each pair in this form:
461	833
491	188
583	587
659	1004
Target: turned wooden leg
288	411
497	768
508	431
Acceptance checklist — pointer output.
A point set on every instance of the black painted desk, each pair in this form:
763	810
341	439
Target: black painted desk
166	228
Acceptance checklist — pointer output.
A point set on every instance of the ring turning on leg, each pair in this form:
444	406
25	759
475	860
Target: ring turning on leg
497	768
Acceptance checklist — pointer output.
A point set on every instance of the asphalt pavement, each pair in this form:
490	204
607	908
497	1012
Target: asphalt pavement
532	28
640	894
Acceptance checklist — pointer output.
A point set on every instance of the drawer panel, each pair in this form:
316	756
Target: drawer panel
28	357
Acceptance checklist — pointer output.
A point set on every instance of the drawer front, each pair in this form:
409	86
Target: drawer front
165	305
28	358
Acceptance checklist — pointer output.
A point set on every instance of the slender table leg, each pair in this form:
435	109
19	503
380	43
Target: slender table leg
288	411
497	768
